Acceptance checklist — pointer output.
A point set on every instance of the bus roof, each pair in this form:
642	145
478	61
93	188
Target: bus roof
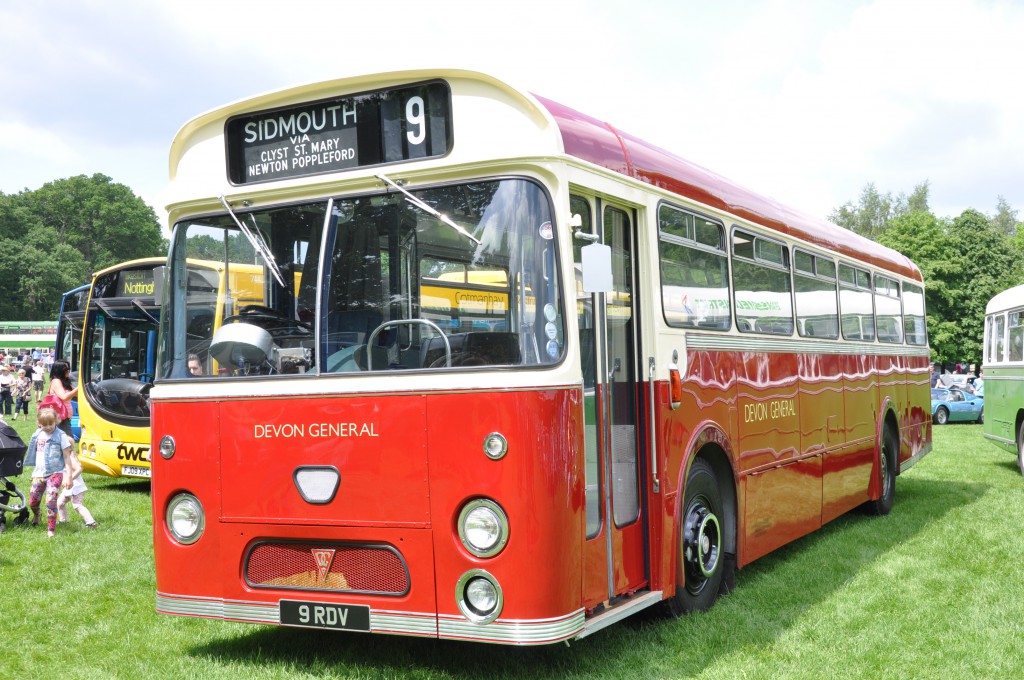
601	144
1008	299
130	264
534	126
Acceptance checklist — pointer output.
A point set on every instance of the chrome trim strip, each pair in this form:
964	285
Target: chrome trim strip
752	343
381	621
217	608
524	632
909	462
514	631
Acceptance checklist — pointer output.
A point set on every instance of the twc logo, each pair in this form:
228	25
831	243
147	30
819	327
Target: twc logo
323	557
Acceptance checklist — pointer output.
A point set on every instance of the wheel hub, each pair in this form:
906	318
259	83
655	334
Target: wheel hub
702	540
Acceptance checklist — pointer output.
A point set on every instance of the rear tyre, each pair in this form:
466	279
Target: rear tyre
703	569
941	416
981	417
887	456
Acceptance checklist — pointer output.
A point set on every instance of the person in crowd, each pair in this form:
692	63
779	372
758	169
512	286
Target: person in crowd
979	383
22	393
6	389
38	378
60	386
75	496
55	466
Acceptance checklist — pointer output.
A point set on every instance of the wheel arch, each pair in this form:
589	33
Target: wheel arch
889	423
712	445
1017	424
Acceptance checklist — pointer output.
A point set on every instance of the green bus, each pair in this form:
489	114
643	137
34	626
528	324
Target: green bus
27	335
1003	381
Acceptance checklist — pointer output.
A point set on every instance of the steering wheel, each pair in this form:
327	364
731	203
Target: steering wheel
250	313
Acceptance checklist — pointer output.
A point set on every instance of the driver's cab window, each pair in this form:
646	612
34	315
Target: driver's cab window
245	302
470	282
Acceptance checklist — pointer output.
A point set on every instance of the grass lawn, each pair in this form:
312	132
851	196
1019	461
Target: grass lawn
930	591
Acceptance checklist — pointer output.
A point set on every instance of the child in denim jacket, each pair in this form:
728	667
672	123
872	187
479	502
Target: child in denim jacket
56	465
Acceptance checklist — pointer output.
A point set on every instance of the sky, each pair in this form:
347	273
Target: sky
804	102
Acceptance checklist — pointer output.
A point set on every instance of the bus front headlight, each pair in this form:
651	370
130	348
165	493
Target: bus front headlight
479	596
185	518
483	527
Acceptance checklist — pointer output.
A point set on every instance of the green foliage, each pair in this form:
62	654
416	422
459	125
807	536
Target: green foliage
1005	219
53	238
965	261
873	215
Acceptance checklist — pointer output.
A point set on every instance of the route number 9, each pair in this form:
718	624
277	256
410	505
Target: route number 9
414	111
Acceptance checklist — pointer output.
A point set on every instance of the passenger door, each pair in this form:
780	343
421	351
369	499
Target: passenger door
614	547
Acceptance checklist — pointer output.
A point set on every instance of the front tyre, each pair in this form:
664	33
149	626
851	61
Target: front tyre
941	416
702	565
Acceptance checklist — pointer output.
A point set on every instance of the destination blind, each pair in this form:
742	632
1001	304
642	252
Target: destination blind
337	134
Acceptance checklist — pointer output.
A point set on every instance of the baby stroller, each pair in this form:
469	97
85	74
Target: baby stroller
12	459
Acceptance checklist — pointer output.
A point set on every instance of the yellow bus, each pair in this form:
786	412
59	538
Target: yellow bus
118	351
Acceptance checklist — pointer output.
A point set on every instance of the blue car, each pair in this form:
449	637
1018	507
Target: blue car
954	405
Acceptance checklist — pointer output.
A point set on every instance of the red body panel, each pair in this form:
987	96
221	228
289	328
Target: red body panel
403	487
801	433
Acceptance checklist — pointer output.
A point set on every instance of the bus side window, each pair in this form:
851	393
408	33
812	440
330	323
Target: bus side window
694	270
761	284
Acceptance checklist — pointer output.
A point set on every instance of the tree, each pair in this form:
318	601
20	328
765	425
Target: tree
874	211
105	221
1005	219
987	266
53	238
38	272
870	217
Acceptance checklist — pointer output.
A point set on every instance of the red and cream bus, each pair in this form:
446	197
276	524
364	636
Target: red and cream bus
514	374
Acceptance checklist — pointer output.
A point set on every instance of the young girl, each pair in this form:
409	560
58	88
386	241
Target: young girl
75	494
55	466
23	393
60	386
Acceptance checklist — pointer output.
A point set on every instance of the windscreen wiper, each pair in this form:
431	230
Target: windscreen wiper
145	312
426	208
257	243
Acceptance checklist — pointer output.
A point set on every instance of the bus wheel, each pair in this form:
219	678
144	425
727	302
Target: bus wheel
1020	448
701	560
941	416
887	469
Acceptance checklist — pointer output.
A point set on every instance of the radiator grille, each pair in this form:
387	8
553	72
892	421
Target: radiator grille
327	566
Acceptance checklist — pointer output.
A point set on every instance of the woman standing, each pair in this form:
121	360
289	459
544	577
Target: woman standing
6	389
22	393
60	387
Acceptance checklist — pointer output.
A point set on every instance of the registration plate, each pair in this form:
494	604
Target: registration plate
325	615
134	471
